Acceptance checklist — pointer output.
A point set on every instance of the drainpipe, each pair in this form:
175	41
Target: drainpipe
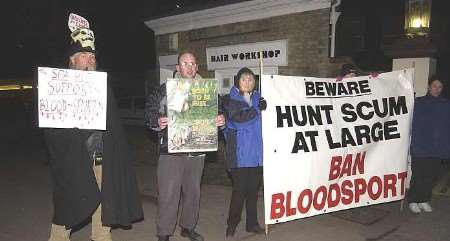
333	20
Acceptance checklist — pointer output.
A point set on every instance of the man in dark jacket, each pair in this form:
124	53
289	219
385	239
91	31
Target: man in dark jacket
92	173
179	175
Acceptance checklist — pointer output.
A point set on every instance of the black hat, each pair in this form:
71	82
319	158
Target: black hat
348	68
239	74
76	48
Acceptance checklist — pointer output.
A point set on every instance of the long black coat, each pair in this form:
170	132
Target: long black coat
75	191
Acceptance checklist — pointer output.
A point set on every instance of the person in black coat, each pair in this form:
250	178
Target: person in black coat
92	173
430	143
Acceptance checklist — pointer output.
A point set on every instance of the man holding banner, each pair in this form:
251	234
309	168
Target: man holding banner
92	173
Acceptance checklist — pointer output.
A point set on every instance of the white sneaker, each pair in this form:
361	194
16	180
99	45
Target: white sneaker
414	208
425	207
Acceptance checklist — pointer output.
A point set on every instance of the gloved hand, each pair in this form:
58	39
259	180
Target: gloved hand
262	103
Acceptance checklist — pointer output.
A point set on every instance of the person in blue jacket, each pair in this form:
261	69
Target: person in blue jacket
243	151
430	143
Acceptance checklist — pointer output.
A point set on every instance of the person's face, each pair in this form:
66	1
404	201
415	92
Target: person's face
83	61
246	83
187	66
436	88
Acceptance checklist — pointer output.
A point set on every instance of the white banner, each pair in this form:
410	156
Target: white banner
274	53
72	98
330	145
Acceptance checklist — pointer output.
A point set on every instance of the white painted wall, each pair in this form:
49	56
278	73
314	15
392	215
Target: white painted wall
423	69
225	77
167	65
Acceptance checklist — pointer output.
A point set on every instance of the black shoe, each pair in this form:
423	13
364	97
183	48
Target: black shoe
255	229
163	238
230	231
191	234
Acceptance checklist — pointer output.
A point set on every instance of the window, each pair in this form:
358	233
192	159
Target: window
226	83
173	41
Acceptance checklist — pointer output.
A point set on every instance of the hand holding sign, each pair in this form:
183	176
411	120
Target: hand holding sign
72	98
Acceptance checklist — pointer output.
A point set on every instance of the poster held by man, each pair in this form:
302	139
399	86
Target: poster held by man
192	110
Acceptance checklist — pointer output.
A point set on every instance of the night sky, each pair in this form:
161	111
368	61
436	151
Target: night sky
39	35
35	32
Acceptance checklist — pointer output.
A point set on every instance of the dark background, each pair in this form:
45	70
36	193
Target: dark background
39	35
35	33
371	32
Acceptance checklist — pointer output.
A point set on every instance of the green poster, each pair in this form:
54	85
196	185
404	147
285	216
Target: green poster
192	112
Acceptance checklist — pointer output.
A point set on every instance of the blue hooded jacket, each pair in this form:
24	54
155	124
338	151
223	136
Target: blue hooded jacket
243	130
430	134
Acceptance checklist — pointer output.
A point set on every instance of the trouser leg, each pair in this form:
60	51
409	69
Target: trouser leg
59	233
99	232
253	184
190	188
423	171
443	178
169	175
239	188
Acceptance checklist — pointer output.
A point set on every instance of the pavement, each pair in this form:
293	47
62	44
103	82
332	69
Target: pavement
26	209
383	222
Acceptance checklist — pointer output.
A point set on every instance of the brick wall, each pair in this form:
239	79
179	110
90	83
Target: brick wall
307	35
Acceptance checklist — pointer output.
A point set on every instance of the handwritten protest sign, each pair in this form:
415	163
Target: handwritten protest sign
75	22
72	98
330	145
192	111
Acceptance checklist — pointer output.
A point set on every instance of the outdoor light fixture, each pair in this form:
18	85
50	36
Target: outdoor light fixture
417	17
9	87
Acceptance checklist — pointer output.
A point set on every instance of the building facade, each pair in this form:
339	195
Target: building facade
292	36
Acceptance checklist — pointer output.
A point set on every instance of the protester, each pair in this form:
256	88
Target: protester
430	143
244	150
92	173
178	175
349	70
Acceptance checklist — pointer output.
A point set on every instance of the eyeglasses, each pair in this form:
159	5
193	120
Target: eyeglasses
188	64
